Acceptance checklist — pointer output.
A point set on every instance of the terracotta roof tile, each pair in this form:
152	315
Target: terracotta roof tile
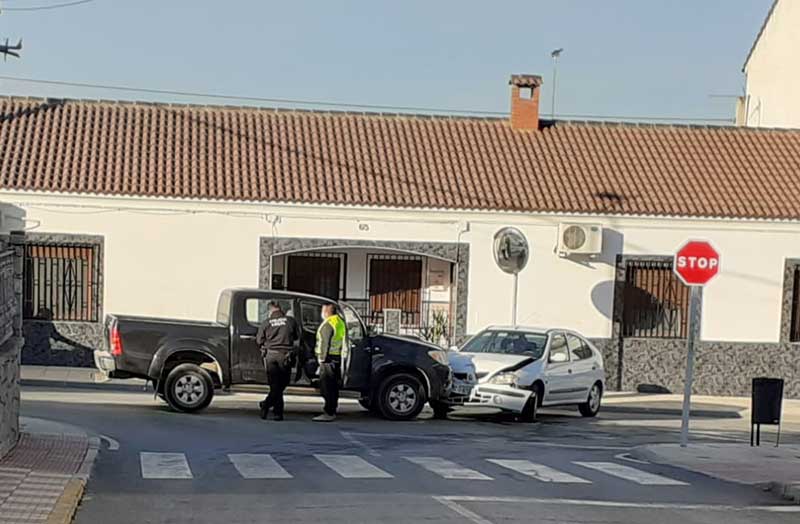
266	155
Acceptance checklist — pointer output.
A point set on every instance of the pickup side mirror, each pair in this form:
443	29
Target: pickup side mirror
558	358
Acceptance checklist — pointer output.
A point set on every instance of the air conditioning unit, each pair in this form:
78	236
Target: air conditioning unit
580	239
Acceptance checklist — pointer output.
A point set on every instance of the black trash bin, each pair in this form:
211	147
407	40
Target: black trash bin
765	407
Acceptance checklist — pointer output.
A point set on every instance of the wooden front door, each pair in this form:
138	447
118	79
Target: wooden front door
316	275
396	283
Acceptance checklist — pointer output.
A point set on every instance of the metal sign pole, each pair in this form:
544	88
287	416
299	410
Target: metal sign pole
694	321
514	302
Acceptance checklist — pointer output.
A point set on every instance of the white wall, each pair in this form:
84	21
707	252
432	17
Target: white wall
171	258
773	71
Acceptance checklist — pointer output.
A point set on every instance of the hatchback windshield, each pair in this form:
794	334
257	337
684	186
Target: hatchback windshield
507	342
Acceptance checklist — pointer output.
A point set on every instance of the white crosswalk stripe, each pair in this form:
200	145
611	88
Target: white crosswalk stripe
352	467
164	466
448	469
628	473
539	471
258	466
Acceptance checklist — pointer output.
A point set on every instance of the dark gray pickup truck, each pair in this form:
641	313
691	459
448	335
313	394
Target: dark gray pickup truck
392	376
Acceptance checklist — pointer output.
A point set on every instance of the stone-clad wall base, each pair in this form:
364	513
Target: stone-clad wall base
61	343
9	395
721	368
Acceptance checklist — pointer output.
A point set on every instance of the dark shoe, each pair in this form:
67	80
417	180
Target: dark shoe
264	410
277	417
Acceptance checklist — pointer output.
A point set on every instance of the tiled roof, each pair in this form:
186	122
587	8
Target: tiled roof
247	154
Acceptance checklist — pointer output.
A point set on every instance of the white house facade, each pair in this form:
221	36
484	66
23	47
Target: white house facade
772	72
130	218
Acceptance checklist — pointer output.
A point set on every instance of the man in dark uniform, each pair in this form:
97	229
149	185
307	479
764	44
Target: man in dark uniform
276	337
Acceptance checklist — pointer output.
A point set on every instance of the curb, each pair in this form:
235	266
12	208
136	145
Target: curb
670	412
643	453
68	502
138	388
787	490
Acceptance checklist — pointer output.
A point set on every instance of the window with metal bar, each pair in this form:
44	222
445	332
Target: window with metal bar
61	282
655	301
794	329
395	282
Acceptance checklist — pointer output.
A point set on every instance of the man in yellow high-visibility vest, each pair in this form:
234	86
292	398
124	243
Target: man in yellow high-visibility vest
330	340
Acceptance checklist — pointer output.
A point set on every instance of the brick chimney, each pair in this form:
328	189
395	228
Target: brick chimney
525	101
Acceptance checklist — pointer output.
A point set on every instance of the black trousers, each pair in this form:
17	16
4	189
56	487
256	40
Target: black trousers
279	373
329	380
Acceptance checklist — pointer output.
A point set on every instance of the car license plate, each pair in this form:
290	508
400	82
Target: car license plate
461	389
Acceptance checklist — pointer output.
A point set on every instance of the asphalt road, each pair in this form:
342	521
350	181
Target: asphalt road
227	465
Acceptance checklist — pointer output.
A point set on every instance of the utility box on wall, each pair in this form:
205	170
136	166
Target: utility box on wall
391	321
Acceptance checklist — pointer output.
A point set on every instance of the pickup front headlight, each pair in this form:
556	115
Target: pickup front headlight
504	379
439	356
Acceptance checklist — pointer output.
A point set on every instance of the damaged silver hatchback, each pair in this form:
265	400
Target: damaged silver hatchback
519	369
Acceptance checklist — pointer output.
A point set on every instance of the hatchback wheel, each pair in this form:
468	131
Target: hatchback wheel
592	404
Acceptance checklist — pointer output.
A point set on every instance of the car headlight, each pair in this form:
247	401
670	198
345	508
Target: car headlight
503	379
439	356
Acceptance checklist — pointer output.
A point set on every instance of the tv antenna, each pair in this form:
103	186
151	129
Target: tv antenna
10	50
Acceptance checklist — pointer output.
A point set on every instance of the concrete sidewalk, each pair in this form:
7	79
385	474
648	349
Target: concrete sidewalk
767	466
702	406
42	479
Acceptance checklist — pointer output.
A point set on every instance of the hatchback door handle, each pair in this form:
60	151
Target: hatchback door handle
569	371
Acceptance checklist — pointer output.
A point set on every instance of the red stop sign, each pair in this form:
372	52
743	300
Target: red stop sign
696	262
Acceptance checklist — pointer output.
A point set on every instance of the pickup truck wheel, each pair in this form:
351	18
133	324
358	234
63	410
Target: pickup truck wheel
401	397
189	388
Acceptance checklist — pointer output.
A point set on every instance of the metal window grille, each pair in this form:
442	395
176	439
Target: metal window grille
317	272
396	282
61	282
655	301
794	329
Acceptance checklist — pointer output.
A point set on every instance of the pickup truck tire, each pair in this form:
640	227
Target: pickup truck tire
401	397
189	388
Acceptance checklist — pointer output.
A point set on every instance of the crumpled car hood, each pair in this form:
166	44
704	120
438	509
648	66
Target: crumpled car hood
485	364
460	363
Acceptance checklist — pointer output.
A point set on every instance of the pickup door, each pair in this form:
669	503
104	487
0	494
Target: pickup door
356	357
248	312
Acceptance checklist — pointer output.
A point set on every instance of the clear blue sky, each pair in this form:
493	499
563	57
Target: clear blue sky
622	57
